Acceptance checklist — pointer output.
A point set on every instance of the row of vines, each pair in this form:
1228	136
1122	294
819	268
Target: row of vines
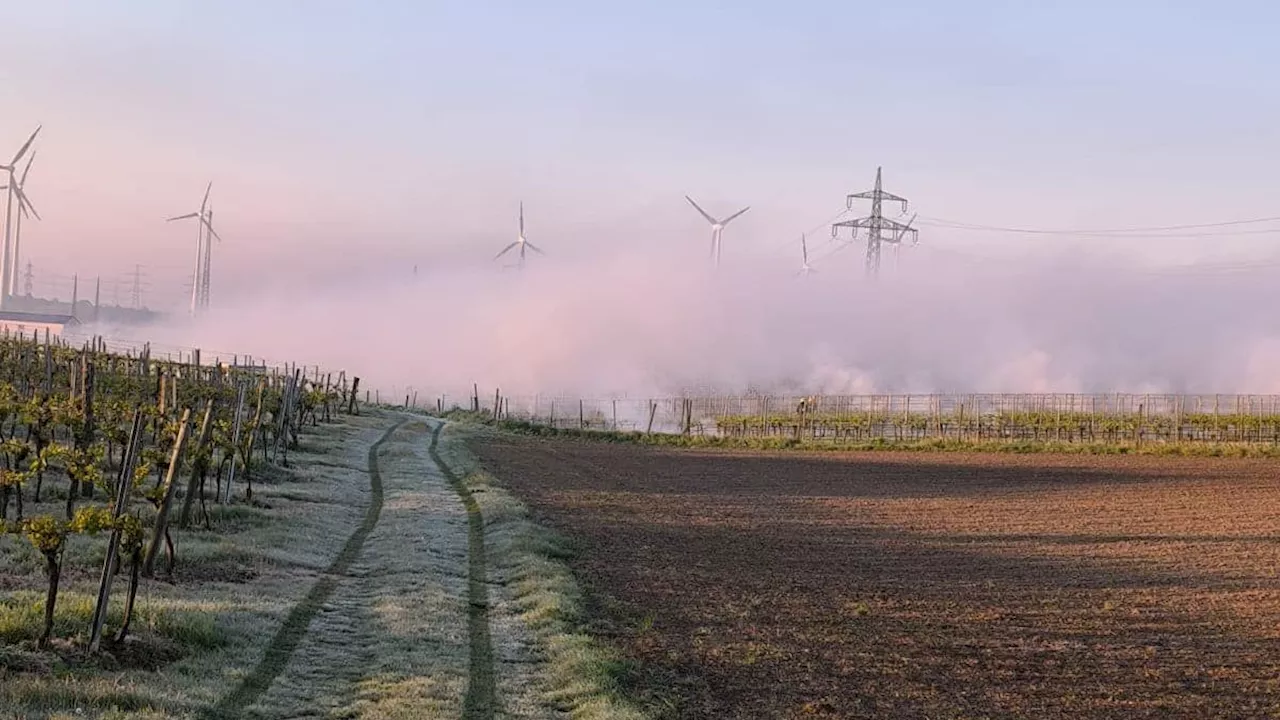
123	448
1056	427
1110	418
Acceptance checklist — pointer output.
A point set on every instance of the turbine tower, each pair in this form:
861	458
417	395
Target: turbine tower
208	257
521	242
15	191
876	223
25	209
717	227
204	234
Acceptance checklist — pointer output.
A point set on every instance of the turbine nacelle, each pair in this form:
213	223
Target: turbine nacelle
717	226
520	242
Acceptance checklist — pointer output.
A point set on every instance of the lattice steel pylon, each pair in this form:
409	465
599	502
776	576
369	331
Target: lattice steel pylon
135	294
876	223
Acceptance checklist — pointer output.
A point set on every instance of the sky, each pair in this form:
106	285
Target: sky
348	140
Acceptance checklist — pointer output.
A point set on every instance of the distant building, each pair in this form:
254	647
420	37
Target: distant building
24	323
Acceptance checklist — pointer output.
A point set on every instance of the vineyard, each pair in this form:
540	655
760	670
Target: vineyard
1061	418
119	449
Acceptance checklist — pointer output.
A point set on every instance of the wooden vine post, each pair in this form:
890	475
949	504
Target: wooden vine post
254	429
295	409
197	466
235	444
84	438
124	483
161	528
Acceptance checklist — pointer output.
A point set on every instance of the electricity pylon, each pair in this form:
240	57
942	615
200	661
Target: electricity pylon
135	296
879	228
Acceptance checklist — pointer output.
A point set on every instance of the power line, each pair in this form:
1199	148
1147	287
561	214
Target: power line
1153	231
1183	269
825	223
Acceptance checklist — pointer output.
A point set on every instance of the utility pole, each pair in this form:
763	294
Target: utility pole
879	228
28	280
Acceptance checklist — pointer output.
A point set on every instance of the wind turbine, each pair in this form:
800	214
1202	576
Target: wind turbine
805	268
521	242
717	227
15	190
199	280
17	225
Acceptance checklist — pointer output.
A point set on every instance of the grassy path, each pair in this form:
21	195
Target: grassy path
391	639
295	625
398	627
480	702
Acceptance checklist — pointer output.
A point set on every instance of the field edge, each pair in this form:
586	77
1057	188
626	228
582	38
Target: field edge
580	675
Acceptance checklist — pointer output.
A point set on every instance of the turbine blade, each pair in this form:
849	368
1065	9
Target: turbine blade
27	169
804	249
521	218
183	217
506	250
731	217
701	212
28	210
534	248
23	150
209	226
22	200
205	202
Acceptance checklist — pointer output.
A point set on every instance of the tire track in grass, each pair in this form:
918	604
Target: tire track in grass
294	628
480	702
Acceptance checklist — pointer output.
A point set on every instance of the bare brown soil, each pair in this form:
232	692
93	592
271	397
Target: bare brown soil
890	585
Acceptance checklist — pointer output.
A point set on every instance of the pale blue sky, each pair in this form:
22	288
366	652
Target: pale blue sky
420	125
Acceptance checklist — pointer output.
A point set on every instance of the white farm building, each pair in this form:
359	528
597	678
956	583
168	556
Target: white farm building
21	323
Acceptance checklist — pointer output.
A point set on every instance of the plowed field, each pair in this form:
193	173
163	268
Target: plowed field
922	585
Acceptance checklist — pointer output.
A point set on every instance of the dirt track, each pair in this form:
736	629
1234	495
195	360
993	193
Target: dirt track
911	585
